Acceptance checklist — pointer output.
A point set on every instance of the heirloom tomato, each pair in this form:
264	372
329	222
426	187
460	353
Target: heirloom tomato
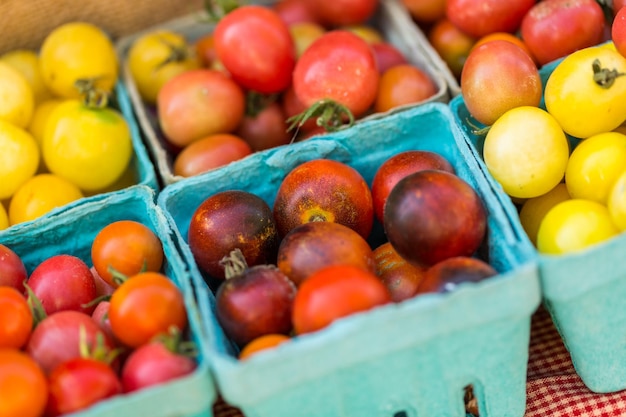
255	46
78	51
478	18
585	92
23	385
451	43
402	85
156	57
335	13
90	147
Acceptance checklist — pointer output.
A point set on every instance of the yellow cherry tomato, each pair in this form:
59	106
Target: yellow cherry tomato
366	32
17	99
574	225
26	62
526	151
534	209
616	201
156	57
4	218
585	92
594	165
39	195
40	117
19	158
90	147
78	51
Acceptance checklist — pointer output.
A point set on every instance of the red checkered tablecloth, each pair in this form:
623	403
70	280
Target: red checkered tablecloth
553	389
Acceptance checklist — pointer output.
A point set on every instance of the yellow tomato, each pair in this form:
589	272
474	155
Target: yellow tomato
574	225
4	218
78	51
366	32
534	209
39	195
40	117
89	147
594	165
19	158
304	34
526	151
17	100
156	57
616	201
582	104
26	62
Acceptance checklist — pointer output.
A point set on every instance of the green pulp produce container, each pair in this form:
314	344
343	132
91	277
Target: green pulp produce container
72	231
410	359
583	291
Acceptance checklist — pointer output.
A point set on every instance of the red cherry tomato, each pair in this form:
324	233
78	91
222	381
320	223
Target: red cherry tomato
339	66
255	46
210	152
478	18
335	292
618	31
343	12
145	306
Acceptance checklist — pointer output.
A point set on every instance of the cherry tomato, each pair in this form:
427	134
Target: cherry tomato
12	270
256	47
155	58
126	247
616	202
265	129
451	43
295	11
26	61
23	385
261	343
80	383
478	18
145	306
555	28
402	85
335	13
210	152
590	72
534	209
198	103
304	33
18	101
338	66
426	11
335	292
618	31
16	318
19	158
504	36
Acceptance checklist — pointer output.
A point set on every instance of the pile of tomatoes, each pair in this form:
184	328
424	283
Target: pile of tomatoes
60	140
269	75
73	335
555	140
314	256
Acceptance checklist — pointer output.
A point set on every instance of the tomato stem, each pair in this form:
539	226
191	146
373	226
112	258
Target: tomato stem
173	341
234	264
477	130
216	9
98	351
256	102
604	77
117	277
330	114
92	96
177	54
34	303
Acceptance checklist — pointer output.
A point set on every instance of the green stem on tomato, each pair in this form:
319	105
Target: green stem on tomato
216	9
329	113
92	96
34	303
604	77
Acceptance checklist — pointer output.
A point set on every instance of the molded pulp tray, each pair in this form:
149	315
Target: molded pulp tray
413	357
389	20
72	231
584	292
142	169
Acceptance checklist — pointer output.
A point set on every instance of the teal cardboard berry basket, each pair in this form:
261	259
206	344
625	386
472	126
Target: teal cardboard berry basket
583	291
403	360
140	171
72	232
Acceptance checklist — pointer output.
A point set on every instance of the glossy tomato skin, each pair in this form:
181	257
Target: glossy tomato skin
16	318
335	13
128	247
426	11
56	338
324	190
63	282
335	292
153	364
339	66
255	46
25	383
12	269
433	215
478	18
447	275
497	77
399	166
571	84
266	129
145	306
401	278
80	383
295	11
314	245
555	28
198	103
210	152
618	31
229	220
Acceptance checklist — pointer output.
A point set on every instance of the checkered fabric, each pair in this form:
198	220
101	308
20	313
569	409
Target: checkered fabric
553	388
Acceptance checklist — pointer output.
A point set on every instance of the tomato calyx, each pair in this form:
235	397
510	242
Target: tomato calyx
99	350
174	342
92	96
604	77
216	9
234	263
330	116
177	54
35	305
256	102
